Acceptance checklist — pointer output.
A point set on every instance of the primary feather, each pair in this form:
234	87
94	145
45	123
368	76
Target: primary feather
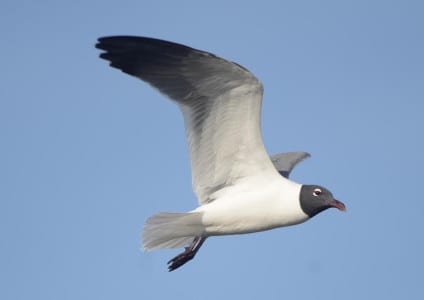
220	102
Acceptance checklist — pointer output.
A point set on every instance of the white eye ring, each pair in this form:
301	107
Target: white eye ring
317	192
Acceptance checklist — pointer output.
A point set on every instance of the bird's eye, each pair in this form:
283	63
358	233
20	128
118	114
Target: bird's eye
317	192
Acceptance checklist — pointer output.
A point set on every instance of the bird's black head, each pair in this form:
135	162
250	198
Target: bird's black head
315	199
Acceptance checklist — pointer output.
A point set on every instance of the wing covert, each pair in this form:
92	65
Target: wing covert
220	102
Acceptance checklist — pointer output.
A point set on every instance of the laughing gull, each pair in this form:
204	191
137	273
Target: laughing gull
240	189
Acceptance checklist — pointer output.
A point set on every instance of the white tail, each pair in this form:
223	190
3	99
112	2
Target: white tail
171	230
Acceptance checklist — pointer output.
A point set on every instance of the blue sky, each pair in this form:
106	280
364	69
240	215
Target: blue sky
88	153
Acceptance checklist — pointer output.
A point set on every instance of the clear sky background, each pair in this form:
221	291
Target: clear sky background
87	153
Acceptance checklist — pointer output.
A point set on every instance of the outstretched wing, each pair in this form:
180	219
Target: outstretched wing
220	101
285	162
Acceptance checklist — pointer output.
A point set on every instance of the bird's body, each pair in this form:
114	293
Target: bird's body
240	189
244	207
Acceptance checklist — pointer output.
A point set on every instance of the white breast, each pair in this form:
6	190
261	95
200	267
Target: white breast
253	204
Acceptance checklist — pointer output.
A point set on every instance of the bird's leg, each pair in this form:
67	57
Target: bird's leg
187	255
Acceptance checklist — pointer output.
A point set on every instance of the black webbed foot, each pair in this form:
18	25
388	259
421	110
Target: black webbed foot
187	255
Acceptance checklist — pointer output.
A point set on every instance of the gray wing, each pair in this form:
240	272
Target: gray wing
285	162
220	101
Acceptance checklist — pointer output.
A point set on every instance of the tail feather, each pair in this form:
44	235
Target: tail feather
171	230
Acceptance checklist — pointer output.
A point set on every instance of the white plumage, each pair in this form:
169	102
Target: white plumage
237	185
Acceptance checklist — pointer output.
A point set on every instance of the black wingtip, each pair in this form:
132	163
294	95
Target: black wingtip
102	42
135	43
133	55
102	45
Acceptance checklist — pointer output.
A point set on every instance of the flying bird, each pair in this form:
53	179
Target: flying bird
239	187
